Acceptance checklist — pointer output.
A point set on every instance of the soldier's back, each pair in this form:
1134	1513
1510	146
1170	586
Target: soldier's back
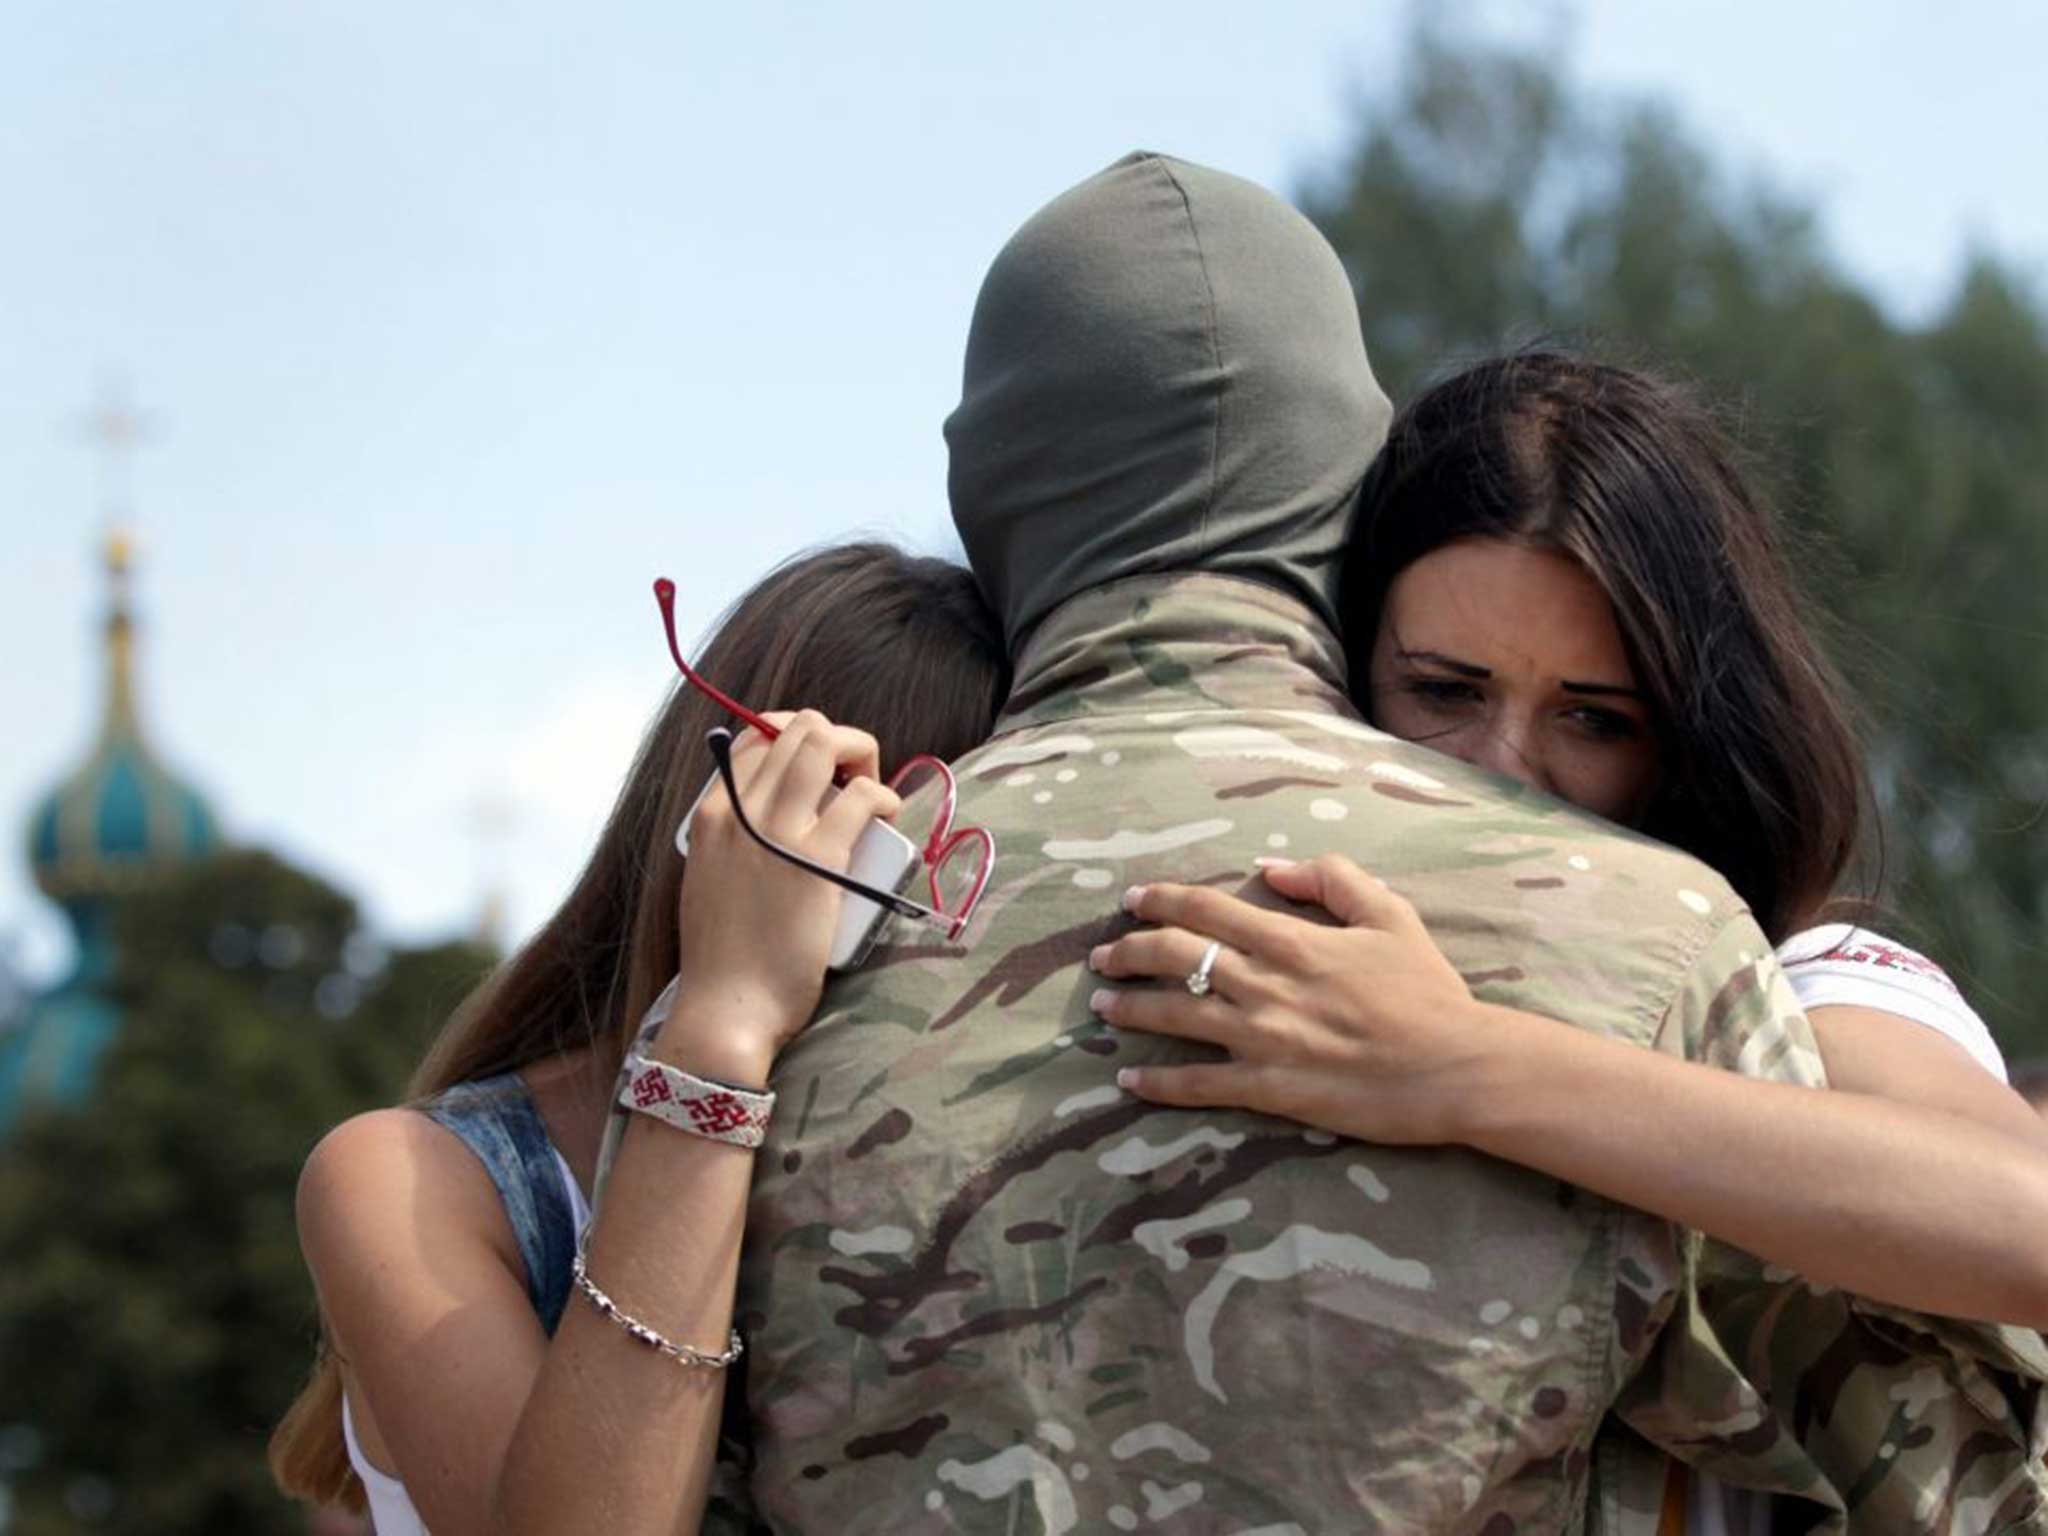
988	1291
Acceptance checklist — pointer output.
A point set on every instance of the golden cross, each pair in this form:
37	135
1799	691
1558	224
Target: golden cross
117	429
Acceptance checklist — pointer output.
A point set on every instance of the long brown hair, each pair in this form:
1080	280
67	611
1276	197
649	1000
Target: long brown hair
1632	477
900	645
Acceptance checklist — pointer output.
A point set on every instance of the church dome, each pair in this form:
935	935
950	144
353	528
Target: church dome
115	825
121	816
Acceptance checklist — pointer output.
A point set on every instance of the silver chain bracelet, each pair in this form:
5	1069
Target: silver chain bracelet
654	1339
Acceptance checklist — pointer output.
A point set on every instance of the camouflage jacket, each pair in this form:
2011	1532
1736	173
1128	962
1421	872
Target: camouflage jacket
985	1291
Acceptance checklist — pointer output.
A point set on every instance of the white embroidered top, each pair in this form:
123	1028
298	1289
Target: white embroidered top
1842	963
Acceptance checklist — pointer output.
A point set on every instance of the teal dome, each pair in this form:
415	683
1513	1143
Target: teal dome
119	818
116	825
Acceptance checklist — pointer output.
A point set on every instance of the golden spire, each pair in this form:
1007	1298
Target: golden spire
117	429
119	817
119	556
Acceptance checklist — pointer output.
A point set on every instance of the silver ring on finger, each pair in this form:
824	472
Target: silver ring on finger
1198	979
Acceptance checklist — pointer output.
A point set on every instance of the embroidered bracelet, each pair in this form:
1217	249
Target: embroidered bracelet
682	1354
695	1104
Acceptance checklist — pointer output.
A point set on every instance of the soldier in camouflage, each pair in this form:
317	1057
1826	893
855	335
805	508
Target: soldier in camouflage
986	1291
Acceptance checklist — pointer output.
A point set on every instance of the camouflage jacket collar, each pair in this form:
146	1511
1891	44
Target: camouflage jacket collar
1182	641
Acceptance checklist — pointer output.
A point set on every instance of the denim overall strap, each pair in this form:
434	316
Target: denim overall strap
497	1120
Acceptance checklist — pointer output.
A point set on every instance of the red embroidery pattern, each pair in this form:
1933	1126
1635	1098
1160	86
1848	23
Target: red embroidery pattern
695	1105
716	1112
651	1088
1889	957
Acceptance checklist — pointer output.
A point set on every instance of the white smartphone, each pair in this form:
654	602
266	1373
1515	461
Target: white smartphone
881	858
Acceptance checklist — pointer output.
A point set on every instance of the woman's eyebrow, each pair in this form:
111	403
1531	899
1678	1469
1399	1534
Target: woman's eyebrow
1602	688
1448	663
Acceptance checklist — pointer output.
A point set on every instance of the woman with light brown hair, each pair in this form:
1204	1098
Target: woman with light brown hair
462	1385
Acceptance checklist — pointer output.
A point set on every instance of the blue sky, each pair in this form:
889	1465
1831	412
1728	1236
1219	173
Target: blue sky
457	323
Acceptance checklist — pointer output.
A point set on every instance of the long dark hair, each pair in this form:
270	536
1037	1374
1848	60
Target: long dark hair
1632	477
902	646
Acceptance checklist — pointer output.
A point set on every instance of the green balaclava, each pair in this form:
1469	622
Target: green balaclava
1164	373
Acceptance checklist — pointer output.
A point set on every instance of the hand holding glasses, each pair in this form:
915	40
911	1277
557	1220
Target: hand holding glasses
957	860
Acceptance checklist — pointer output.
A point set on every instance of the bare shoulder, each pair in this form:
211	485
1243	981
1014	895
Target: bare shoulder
384	1152
424	1297
392	1183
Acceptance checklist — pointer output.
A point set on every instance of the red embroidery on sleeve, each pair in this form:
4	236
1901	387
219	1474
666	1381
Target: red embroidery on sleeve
1889	957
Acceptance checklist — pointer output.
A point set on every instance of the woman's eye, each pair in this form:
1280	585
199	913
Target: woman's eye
1441	692
1607	724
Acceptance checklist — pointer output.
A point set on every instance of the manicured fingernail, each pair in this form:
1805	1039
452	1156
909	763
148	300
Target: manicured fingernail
1273	861
1132	897
1101	1001
1097	956
1127	1078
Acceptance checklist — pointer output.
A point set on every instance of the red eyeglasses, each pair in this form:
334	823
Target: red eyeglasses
957	860
665	595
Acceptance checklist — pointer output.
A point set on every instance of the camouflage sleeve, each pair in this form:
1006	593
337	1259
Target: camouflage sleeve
729	1505
1879	1419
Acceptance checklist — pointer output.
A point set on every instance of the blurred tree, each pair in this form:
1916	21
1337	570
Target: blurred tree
1485	205
155	1317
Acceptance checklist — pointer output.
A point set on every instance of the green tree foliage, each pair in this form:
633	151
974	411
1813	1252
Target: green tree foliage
155	1316
1486	205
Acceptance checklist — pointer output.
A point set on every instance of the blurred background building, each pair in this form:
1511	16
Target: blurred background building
219	1008
118	824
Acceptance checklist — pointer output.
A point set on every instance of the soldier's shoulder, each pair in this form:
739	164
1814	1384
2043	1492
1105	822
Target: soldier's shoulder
1324	780
1413	774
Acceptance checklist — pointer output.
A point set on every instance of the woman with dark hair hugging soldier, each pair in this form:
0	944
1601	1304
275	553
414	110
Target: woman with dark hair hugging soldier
1560	574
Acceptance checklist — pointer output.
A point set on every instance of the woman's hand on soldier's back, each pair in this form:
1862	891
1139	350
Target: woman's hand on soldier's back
1365	1029
1909	1186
